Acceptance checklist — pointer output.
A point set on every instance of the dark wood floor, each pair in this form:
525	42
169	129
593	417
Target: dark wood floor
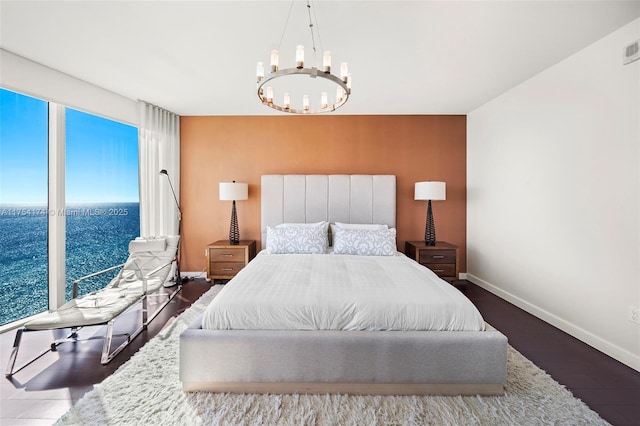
45	390
607	386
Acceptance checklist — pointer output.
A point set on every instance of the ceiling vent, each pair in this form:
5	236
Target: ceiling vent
631	53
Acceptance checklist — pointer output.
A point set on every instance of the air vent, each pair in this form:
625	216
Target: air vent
631	53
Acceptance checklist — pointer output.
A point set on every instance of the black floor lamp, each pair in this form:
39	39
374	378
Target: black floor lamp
177	278
435	191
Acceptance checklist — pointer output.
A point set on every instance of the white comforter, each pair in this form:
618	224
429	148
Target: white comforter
339	292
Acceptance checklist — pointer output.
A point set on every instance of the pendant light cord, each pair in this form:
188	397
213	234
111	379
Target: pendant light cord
311	28
284	30
313	40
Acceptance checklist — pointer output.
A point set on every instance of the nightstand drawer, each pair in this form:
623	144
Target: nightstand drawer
441	258
227	254
443	269
225	260
437	256
225	268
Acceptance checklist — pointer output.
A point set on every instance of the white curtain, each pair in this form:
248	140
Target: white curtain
159	148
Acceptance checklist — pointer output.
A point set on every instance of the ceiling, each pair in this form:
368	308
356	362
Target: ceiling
406	57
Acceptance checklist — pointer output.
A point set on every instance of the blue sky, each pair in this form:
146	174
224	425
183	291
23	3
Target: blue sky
101	155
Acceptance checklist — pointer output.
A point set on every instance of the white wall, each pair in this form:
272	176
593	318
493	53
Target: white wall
30	78
553	175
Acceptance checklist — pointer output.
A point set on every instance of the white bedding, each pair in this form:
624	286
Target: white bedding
339	292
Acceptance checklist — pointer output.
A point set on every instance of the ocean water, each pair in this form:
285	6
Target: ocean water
97	237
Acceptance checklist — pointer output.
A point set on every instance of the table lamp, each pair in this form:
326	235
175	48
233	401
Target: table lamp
234	191
435	191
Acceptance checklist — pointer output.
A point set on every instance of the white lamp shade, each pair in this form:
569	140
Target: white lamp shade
430	191
230	191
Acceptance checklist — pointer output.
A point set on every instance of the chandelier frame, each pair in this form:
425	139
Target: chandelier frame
343	83
312	73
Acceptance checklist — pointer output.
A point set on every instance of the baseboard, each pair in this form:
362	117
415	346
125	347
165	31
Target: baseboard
579	333
462	276
193	275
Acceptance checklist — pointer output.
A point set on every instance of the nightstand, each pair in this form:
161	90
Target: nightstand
224	260
441	258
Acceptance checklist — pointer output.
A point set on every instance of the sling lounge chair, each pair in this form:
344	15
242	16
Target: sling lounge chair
152	264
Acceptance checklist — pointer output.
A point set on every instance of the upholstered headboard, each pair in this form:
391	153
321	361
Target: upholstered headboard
333	198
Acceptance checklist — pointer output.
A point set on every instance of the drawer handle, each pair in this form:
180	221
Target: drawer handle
226	255
438	270
437	257
226	269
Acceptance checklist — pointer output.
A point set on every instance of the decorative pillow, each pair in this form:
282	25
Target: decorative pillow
303	225
297	240
152	244
370	226
365	242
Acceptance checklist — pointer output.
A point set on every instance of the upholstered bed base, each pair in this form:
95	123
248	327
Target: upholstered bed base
357	362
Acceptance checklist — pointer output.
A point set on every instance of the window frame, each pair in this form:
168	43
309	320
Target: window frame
57	222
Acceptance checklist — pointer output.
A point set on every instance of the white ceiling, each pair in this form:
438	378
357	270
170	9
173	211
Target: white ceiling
414	57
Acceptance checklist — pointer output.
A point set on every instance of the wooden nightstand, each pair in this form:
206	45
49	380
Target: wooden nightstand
441	258
224	260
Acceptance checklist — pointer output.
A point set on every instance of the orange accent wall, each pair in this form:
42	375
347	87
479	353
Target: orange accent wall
242	148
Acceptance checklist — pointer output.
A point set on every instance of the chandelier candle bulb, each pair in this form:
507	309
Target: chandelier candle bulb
305	102
269	94
300	56
287	101
339	94
344	71
349	81
326	61
260	71
323	99
274	60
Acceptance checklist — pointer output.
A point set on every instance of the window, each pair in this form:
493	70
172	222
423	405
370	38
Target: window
101	213
102	201
23	206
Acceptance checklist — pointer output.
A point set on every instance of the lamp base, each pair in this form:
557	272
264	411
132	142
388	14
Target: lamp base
234	233
429	229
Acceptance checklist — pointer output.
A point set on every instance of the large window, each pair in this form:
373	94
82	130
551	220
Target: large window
101	213
102	201
23	206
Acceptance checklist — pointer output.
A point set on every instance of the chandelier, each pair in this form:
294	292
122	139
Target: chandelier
303	89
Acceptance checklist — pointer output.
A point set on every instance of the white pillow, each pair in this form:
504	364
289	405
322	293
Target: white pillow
370	226
303	225
151	244
297	240
322	225
365	242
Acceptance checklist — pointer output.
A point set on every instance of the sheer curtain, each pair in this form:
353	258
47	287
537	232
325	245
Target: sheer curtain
159	143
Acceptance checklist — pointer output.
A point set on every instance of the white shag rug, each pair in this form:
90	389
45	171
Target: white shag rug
146	391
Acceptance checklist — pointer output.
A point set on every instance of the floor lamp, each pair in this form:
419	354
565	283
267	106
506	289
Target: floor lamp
234	191
177	277
435	191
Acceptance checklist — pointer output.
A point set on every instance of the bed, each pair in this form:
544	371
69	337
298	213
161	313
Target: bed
318	351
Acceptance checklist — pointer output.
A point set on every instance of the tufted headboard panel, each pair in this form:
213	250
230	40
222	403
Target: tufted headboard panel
333	198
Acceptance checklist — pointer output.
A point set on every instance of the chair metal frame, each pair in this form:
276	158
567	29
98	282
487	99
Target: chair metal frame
107	353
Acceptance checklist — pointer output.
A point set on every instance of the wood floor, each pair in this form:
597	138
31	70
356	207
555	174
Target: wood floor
607	386
45	390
